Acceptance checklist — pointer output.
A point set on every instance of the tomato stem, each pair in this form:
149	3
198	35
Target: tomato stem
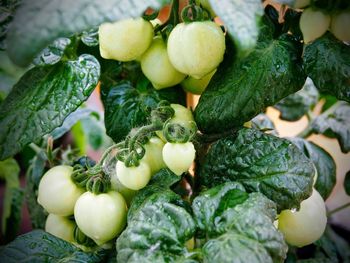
338	209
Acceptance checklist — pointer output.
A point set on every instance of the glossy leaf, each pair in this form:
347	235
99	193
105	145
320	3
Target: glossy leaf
241	89
296	105
128	105
39	246
242	19
324	163
158	188
262	163
42	99
90	37
327	63
156	233
335	122
38	23
262	122
69	122
239	226
52	53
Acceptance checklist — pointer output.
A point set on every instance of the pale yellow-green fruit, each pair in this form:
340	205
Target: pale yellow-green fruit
313	24
135	177
101	217
61	227
179	156
301	3
196	48
156	66
303	227
340	26
197	86
117	186
125	40
57	192
153	156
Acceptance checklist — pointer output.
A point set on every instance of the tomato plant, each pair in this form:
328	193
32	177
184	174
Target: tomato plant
173	179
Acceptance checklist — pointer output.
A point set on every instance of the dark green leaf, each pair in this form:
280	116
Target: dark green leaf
128	106
39	22
324	163
243	88
234	248
242	19
327	63
34	173
262	122
347	183
53	53
336	122
296	105
262	163
210	206
156	233
13	199
8	8
157	189
39	246
240	226
42	99
94	131
69	122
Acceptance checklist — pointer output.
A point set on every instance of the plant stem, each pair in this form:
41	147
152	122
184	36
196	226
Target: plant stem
107	152
330	213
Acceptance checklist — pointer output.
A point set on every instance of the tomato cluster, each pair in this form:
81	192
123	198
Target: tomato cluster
189	56
315	22
101	216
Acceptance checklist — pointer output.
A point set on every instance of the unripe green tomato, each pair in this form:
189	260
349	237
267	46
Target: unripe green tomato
156	66
197	86
117	186
101	217
134	178
313	24
57	192
179	156
125	40
196	48
181	116
61	227
340	26
153	156
301	3
303	227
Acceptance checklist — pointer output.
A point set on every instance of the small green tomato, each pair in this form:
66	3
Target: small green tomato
179	156
303	227
134	178
61	227
157	68
125	40
153	156
340	26
57	192
101	217
313	24
197	86
196	48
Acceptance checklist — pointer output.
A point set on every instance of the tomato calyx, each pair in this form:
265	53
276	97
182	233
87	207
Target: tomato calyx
193	12
82	239
178	133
